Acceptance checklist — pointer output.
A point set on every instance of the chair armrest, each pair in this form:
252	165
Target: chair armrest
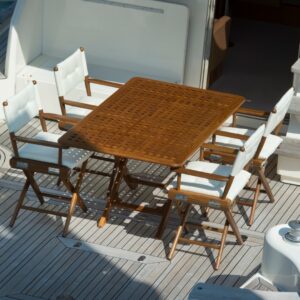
80	104
219	148
202	174
104	82
61	118
253	112
233	135
37	142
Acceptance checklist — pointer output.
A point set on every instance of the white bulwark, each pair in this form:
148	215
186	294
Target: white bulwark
167	40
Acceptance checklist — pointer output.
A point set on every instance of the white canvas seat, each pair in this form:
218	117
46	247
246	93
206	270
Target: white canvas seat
78	112
229	121
215	186
211	187
271	144
42	153
71	157
235	137
69	74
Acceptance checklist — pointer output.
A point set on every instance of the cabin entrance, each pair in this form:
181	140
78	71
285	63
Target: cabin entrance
263	45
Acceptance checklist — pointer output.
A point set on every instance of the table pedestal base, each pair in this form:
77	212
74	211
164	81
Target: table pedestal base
120	172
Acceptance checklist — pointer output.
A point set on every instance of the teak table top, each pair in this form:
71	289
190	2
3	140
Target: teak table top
153	121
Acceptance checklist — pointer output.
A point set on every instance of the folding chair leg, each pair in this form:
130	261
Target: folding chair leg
234	226
112	193
266	185
222	244
131	184
58	182
70	213
20	203
78	185
179	231
34	186
254	204
76	189
204	211
72	189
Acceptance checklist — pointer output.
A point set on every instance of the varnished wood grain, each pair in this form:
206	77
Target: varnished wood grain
153	121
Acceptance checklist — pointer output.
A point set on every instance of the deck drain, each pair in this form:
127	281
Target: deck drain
77	245
142	258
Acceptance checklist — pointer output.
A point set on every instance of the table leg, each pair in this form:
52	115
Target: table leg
131	183
165	215
114	184
120	172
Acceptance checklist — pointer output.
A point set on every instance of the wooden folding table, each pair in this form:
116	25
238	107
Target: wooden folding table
152	121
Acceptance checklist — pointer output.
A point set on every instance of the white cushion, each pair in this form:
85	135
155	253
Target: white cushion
211	187
271	144
22	107
71	72
72	157
228	121
78	112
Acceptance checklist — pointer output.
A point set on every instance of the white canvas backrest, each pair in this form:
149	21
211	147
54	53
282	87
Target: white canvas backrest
22	107
250	148
70	72
280	111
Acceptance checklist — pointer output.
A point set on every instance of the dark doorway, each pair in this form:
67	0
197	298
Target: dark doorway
263	44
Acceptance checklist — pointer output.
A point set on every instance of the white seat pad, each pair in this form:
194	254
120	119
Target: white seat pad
77	112
211	187
72	157
228	121
271	144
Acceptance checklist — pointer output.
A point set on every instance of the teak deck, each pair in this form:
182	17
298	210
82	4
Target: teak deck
36	263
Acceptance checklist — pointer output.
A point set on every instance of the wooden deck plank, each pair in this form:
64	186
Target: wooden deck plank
97	271
148	274
286	209
59	273
183	287
128	270
33	267
31	246
112	268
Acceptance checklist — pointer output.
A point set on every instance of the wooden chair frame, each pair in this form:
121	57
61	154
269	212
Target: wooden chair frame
87	81
64	125
258	165
205	201
30	167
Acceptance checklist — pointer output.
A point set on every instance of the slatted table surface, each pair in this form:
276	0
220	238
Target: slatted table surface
153	121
